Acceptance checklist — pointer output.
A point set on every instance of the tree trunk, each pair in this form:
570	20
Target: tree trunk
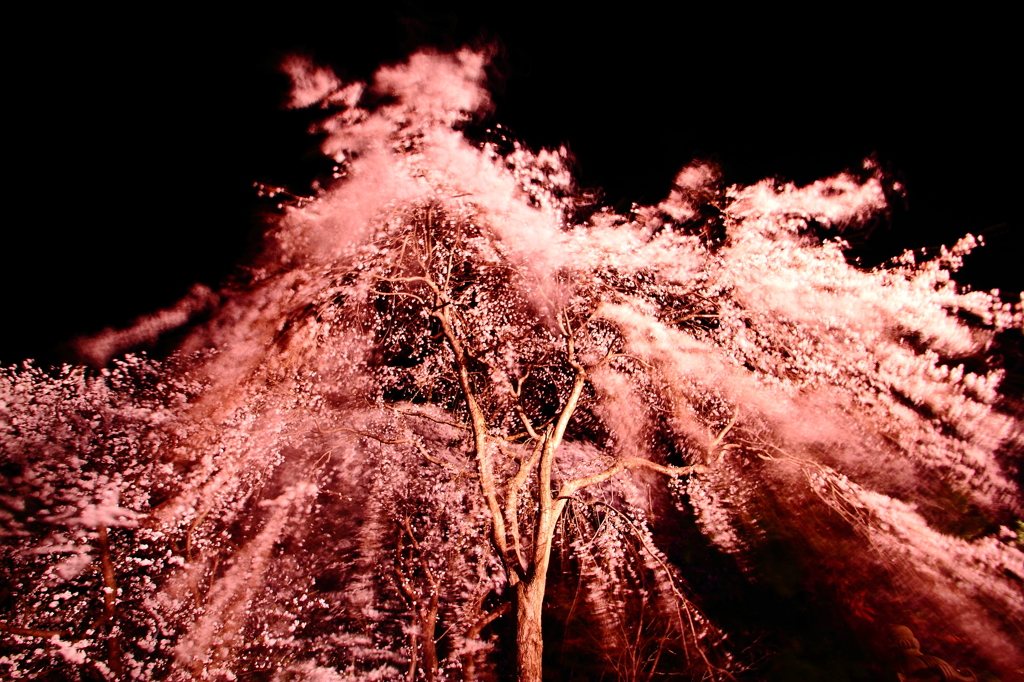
429	645
529	640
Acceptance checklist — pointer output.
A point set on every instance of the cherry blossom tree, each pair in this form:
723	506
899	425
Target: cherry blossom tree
443	386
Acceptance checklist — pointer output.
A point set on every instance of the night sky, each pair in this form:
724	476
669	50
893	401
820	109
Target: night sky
133	151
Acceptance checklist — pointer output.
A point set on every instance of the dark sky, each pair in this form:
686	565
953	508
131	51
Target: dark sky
134	149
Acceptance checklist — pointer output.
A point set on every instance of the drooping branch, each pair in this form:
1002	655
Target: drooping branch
683	605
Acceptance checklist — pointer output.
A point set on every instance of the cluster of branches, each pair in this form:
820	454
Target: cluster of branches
79	463
469	334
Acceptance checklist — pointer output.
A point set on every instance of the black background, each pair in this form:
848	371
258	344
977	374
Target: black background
133	143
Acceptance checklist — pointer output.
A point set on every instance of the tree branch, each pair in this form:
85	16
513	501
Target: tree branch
512	501
436	420
32	632
718	439
478	422
572	487
517	391
398	293
110	603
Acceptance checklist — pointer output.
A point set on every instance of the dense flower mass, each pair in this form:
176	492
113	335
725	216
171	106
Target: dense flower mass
454	413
